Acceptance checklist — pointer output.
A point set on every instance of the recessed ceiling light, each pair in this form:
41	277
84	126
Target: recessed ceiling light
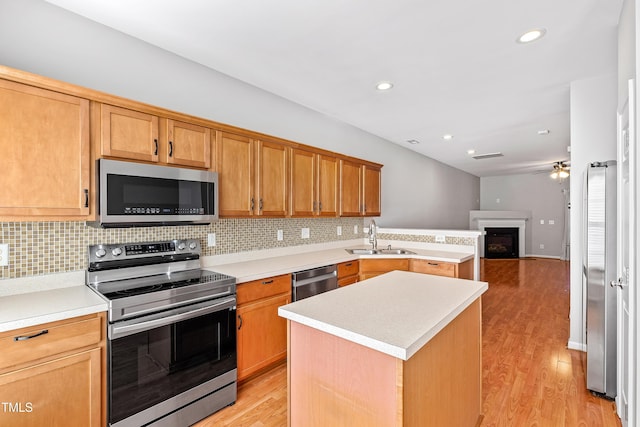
413	141
472	151
384	85
532	35
447	137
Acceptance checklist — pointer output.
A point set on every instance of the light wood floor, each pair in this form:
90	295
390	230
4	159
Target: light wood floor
530	378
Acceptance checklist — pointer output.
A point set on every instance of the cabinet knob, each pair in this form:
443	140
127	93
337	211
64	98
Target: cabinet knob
28	337
240	318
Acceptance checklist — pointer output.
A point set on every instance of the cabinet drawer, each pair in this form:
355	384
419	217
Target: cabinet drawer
434	267
349	268
383	265
257	289
60	337
349	280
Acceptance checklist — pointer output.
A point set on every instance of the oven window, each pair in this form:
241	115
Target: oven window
151	366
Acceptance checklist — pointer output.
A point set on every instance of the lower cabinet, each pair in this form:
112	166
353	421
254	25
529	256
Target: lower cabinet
463	270
52	374
348	272
375	267
262	334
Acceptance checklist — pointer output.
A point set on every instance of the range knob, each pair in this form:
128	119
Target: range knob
100	253
192	245
116	251
181	246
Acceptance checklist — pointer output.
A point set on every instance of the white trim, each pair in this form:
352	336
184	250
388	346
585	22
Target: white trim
572	345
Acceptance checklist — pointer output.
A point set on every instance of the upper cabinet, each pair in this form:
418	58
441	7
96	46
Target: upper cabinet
135	135
252	176
187	144
44	153
128	134
53	132
359	189
314	184
371	182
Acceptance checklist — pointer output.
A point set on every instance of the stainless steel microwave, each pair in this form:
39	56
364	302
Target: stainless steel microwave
139	195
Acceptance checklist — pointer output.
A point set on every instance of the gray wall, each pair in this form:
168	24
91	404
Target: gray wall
593	138
44	39
544	197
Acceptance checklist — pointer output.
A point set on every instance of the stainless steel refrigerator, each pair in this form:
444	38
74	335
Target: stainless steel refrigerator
599	269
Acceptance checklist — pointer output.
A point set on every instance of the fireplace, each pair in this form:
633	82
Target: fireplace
501	242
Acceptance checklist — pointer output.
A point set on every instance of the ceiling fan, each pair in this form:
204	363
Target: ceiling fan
560	170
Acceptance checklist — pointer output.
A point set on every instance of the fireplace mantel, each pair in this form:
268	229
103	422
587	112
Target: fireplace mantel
479	220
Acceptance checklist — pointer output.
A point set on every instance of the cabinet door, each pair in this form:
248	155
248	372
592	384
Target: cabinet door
328	185
62	392
44	152
128	134
188	145
303	183
235	174
272	193
262	334
350	182
371	191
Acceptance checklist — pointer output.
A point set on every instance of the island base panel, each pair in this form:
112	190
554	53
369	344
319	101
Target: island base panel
333	381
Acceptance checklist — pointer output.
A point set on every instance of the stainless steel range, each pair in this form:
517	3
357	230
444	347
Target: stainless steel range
171	352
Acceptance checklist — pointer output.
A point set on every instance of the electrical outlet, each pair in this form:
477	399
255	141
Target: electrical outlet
440	238
497	200
339	230
280	235
4	254
211	239
542	222
541	246
305	233
552	222
355	229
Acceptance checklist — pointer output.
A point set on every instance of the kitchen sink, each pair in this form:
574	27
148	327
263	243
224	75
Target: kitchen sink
395	252
379	252
363	251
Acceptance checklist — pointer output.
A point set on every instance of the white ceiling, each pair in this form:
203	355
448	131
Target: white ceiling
455	64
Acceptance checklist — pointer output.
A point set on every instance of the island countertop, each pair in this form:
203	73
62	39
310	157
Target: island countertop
396	313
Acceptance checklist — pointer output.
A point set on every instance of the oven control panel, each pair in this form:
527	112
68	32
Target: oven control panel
112	252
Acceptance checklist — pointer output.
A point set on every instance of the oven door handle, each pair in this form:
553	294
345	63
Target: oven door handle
119	331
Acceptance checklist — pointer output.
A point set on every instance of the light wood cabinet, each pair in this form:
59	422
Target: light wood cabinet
314	184
44	153
350	185
375	267
187	144
53	374
262	334
359	189
463	270
371	181
348	272
134	135
252	176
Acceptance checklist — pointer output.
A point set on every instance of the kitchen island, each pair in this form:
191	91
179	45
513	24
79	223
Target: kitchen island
401	349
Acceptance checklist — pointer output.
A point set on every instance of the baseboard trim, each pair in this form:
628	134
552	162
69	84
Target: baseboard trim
572	345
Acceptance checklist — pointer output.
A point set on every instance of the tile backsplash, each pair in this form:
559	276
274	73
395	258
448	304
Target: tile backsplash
37	248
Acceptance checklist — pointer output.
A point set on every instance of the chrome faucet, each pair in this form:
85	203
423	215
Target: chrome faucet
373	238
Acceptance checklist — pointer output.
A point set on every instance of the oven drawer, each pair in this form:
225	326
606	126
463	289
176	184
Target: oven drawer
257	289
29	344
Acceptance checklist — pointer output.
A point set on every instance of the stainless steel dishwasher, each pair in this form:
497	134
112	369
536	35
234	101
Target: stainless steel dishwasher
314	281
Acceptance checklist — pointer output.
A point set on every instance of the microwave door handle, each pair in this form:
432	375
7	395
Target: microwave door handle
125	330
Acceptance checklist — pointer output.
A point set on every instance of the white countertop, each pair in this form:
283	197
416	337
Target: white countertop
246	271
396	313
33	308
